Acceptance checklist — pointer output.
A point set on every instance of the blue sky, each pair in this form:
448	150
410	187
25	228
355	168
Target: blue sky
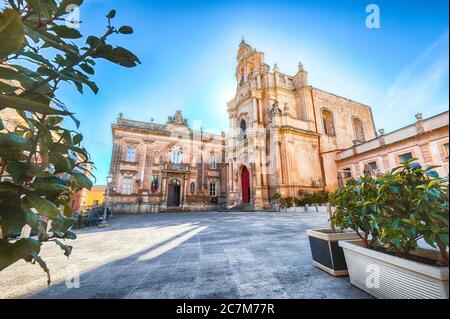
188	53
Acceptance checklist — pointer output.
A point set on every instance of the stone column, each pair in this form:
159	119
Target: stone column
255	112
278	165
185	186
115	160
164	192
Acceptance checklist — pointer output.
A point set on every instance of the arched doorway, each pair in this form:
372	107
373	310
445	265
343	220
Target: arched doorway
245	183
174	193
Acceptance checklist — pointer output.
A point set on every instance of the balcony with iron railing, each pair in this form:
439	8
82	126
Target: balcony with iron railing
170	167
128	165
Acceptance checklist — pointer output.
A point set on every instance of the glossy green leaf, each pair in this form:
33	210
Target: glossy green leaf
21	249
66	248
126	30
44	8
20	103
14	141
66	32
42	205
12	33
83	180
111	14
62	224
86	68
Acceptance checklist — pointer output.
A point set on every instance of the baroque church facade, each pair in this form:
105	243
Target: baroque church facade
292	132
285	137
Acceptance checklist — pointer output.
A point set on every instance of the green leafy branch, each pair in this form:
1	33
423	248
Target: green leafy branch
43	164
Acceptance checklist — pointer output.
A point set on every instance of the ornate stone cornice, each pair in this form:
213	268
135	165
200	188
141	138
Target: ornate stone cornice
289	128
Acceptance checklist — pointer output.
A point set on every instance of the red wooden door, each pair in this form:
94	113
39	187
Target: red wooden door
245	181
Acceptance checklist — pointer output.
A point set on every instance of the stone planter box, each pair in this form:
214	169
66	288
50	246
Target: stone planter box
325	250
389	277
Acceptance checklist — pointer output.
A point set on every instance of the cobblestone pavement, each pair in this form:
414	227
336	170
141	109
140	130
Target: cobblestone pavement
185	255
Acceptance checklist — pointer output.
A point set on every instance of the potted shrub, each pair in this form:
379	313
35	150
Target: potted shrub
325	250
289	203
299	204
276	198
390	215
308	200
321	199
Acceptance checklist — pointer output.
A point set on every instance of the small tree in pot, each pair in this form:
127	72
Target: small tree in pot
391	214
276	197
325	250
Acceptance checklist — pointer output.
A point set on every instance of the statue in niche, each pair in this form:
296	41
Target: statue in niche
274	110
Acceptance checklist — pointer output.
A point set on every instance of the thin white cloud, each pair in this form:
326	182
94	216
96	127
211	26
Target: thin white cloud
420	85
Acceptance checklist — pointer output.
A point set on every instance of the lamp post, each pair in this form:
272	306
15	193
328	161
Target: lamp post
104	223
112	203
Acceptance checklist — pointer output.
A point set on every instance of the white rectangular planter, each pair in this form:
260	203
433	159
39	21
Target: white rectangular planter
322	209
294	209
389	277
310	208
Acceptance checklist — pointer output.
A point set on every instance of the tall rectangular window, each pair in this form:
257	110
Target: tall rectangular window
405	157
126	186
446	149
213	162
212	189
131	154
176	157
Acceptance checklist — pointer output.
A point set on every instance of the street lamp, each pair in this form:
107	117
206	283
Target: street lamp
104	223
112	203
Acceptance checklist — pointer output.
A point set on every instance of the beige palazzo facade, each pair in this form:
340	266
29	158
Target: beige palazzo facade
285	137
163	167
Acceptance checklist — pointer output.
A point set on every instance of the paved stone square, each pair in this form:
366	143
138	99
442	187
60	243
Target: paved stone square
185	255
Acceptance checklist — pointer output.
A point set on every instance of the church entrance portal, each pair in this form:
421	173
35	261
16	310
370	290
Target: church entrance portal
245	182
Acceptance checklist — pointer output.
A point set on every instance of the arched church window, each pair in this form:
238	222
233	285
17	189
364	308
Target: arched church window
192	188
243	130
328	124
358	130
